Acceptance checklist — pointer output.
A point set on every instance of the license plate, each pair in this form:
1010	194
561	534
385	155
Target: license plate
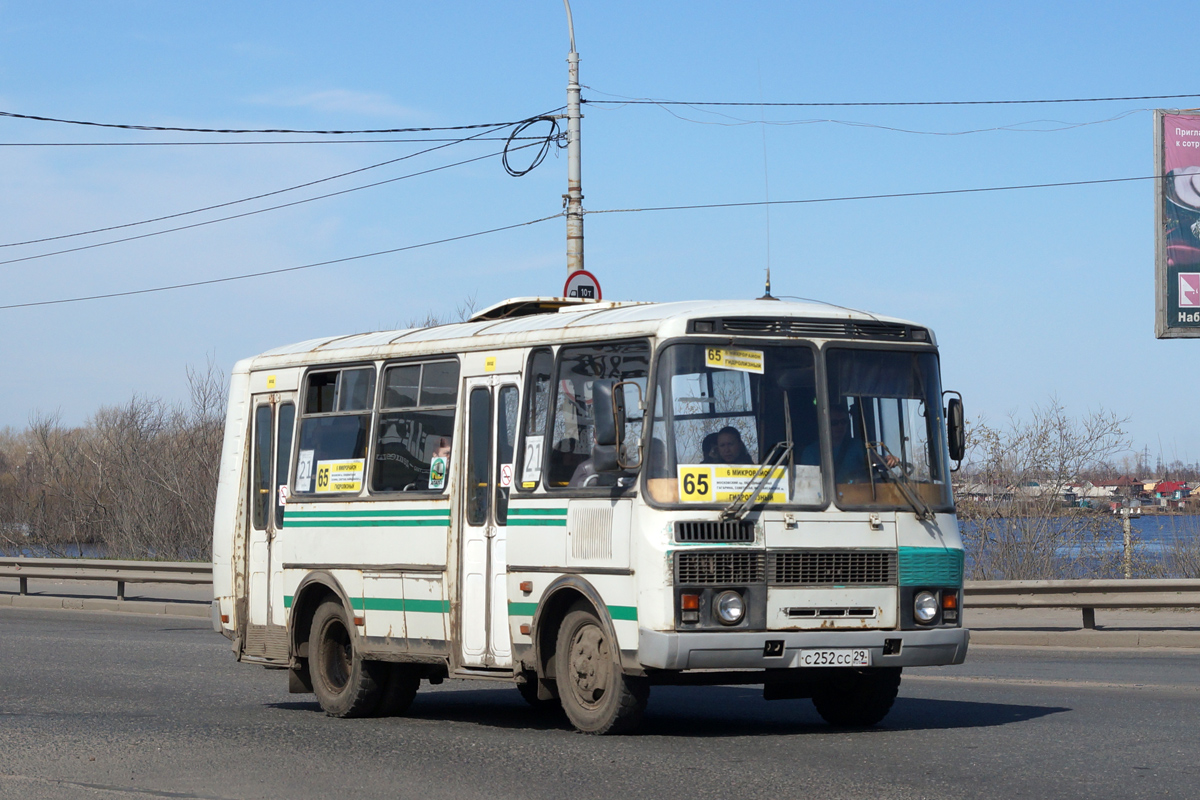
859	657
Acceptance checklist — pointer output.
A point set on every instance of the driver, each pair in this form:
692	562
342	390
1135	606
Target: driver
849	453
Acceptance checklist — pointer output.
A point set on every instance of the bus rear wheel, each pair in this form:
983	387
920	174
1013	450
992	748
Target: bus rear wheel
595	694
857	698
345	684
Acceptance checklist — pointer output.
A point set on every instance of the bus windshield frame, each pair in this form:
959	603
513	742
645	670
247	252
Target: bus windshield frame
749	422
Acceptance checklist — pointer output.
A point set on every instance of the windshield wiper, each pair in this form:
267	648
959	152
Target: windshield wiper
924	512
741	504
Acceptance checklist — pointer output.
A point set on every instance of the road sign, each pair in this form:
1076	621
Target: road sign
583	284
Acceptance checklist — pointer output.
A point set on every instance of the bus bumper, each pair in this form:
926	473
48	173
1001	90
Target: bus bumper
747	650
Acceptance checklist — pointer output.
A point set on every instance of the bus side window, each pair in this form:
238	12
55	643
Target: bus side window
334	428
260	486
416	426
508	419
537	390
578	367
283	456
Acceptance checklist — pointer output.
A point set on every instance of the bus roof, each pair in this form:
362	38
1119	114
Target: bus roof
528	321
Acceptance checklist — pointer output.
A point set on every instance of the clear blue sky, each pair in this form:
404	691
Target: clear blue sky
1032	293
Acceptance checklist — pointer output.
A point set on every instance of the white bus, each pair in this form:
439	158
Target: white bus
585	499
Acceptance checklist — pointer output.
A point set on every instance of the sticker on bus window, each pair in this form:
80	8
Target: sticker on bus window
340	476
725	358
531	465
282	494
705	483
304	471
437	472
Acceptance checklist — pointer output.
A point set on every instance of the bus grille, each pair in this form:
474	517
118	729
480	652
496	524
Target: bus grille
831	567
710	569
714	531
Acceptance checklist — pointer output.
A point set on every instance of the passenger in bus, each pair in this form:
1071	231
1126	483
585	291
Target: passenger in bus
443	448
730	447
709	449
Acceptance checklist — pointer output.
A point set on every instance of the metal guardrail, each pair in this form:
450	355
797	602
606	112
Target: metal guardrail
1086	595
94	569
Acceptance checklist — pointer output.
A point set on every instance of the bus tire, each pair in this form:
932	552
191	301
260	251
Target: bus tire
595	694
400	688
345	684
857	698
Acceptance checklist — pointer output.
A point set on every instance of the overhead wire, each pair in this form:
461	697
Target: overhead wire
1016	127
257	211
652	101
508	141
170	128
280	271
237	143
933	193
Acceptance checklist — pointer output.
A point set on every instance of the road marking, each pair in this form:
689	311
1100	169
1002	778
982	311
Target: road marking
122	790
1056	684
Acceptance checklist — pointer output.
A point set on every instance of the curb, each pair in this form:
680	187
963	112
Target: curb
151	608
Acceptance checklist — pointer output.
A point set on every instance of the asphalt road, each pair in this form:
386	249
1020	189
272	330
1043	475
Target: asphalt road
99	706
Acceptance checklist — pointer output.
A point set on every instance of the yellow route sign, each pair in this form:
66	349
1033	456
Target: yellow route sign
340	476
727	483
744	360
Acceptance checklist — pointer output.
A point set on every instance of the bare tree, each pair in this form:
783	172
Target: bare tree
138	480
1014	495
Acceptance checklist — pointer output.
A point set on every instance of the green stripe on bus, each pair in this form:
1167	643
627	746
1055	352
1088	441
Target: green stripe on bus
366	523
930	566
420	512
389	604
554	523
616	612
623	612
545	512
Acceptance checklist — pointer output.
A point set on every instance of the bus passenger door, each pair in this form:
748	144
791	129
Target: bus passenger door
492	419
274	420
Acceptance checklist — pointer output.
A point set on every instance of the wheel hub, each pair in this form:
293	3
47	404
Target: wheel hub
591	665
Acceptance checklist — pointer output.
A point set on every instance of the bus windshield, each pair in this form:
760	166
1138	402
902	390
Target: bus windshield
886	431
721	413
740	424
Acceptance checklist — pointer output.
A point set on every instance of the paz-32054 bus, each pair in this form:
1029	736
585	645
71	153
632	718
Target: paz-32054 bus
587	499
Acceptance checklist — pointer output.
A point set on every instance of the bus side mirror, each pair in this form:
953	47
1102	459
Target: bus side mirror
608	412
956	434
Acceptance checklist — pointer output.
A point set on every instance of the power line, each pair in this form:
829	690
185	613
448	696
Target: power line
130	127
258	211
277	271
267	141
871	196
258	196
649	101
1016	127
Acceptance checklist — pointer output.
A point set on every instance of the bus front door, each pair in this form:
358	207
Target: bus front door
274	419
492	418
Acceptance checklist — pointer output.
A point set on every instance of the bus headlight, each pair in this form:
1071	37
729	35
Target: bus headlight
925	607
729	608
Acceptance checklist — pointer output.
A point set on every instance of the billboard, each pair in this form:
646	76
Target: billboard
1177	228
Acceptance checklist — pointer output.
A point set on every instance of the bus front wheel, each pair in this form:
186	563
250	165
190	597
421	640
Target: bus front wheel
345	684
595	694
857	698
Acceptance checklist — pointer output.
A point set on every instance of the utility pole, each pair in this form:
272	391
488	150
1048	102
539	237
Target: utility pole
573	199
